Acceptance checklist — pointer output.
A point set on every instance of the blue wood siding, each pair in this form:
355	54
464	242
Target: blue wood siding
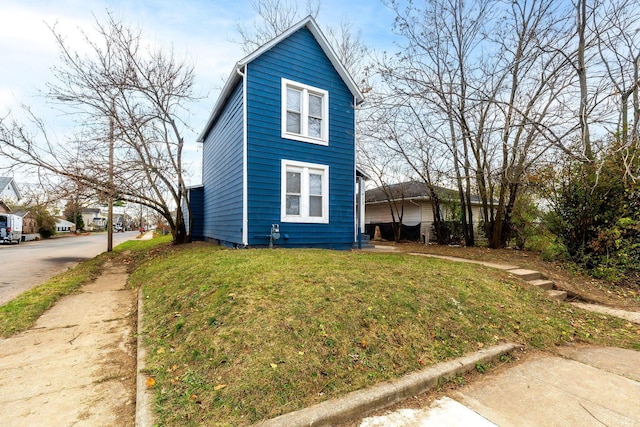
298	58
196	203
222	162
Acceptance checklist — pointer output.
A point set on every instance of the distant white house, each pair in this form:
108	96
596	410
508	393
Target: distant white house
417	207
93	219
64	226
9	192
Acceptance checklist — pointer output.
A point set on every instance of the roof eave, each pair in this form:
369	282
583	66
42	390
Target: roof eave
416	199
311	24
235	76
10	182
360	172
222	100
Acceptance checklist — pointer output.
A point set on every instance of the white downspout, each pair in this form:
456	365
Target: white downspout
245	198
358	201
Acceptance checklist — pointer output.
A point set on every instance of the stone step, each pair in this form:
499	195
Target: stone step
527	275
545	284
559	295
363	245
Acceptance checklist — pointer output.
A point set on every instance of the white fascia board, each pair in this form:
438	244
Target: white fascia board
222	100
311	24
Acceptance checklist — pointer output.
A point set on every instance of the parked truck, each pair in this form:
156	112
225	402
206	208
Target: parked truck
10	228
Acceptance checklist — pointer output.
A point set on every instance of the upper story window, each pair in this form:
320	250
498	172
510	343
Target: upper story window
305	113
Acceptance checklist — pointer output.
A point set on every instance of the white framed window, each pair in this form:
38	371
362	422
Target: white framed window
304	192
305	113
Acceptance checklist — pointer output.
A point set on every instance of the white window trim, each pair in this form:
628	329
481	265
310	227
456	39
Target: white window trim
304	199
304	114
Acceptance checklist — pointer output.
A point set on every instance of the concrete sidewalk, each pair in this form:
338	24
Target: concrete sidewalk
76	365
588	386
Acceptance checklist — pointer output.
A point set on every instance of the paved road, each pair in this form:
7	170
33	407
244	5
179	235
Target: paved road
29	264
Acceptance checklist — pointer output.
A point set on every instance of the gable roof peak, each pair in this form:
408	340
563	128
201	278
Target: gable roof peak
5	182
310	23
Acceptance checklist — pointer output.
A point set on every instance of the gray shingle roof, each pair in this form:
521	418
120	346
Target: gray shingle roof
411	190
5	182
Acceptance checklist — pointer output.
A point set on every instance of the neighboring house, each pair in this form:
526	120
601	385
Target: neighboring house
414	197
279	149
9	192
64	226
93	219
119	218
29	225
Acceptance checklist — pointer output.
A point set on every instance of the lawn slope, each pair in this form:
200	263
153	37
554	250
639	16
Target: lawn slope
237	336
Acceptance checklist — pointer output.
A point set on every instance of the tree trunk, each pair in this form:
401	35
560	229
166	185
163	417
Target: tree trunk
438	224
636	101
508	212
466	210
495	238
582	78
179	229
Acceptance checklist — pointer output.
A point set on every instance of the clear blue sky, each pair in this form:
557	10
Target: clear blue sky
199	30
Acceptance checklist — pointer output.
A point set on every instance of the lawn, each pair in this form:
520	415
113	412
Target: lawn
23	311
237	336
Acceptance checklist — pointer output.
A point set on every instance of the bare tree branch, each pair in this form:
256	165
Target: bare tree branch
143	92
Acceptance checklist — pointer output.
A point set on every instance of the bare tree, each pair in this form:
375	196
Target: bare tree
386	169
618	45
599	29
582	17
128	98
482	80
348	45
393	139
275	17
435	76
530	73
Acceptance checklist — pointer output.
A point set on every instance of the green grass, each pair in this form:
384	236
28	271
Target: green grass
142	247
22	312
237	336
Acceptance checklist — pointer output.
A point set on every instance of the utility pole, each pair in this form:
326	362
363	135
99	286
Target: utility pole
110	195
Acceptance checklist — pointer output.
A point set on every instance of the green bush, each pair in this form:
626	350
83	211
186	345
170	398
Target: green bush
548	246
597	218
525	220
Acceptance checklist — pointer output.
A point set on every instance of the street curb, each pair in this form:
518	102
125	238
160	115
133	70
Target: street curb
359	403
144	417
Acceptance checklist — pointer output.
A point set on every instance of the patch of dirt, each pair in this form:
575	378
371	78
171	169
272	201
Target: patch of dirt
579	286
77	365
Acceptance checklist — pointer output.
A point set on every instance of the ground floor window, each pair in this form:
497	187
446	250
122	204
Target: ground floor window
305	192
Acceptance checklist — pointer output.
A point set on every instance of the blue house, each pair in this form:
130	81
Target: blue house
279	149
